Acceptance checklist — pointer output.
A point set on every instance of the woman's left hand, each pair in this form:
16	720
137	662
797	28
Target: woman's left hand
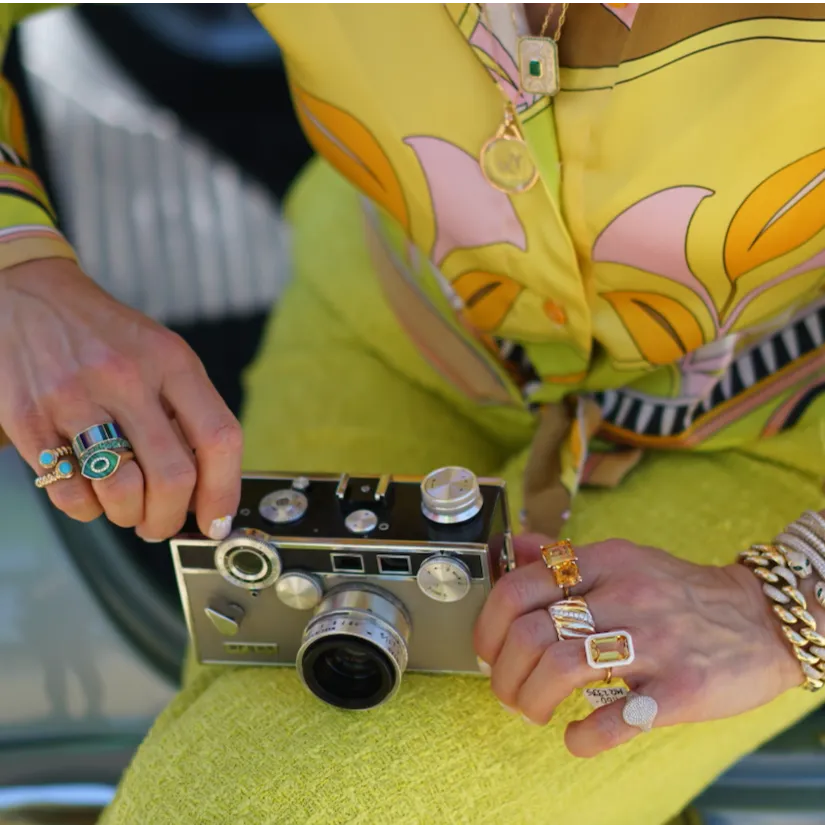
707	644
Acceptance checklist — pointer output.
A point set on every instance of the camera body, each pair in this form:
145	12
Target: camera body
353	580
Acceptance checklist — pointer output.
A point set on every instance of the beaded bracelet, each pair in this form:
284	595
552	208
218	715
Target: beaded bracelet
779	583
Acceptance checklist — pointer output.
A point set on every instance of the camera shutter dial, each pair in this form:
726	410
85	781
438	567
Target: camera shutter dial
300	591
450	495
444	578
248	559
361	522
283	506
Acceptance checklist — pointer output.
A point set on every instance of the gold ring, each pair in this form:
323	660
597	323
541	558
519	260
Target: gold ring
560	559
48	458
62	470
572	618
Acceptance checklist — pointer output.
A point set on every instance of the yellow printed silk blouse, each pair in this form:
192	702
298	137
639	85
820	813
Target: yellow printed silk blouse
669	264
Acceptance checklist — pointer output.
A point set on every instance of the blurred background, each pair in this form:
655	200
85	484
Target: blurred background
166	139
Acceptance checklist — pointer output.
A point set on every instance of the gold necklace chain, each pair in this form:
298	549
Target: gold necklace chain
505	159
545	22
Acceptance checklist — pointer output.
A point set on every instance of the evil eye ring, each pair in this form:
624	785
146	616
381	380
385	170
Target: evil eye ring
101	450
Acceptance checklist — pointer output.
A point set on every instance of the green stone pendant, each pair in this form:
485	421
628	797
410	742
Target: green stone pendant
538	61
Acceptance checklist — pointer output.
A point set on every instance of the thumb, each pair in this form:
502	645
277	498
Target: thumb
527	547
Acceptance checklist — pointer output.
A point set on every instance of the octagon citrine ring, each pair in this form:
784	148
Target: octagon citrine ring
561	561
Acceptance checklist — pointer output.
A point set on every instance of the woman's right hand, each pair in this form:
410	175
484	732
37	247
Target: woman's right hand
71	357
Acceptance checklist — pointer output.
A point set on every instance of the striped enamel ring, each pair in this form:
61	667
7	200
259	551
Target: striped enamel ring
101	450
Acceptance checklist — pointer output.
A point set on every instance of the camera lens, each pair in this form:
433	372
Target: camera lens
354	649
248	565
348	672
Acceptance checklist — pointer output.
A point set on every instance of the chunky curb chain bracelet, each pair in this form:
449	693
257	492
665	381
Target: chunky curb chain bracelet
778	565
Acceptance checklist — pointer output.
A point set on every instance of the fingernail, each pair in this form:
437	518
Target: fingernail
528	720
148	541
220	528
508	708
483	667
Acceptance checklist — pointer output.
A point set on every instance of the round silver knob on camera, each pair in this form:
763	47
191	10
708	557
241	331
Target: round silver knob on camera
361	522
283	506
444	578
450	495
248	559
298	590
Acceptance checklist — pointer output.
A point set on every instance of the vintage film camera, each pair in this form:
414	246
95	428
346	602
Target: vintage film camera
352	580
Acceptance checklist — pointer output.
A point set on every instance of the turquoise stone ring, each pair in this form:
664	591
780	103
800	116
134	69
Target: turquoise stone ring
48	458
61	468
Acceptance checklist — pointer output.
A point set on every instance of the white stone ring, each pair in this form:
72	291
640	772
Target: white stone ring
640	711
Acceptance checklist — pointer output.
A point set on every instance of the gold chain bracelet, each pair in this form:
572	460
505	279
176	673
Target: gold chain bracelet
779	584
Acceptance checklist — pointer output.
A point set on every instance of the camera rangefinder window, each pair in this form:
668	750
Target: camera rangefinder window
248	565
347	563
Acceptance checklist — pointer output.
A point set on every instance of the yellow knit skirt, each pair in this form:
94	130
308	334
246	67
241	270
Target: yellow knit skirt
249	746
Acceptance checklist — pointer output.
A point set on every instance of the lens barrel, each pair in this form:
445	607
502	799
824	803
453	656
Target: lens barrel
354	649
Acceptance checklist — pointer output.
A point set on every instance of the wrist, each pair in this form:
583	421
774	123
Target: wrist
780	658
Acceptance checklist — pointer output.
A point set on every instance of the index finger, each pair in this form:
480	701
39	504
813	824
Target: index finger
215	435
526	589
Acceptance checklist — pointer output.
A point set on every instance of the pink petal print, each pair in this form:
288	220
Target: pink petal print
488	43
626	12
651	235
493	48
468	211
817	261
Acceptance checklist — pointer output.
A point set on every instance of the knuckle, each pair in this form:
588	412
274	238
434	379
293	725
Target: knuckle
176	353
611	729
693	680
25	416
651	641
529	632
121	372
225	436
618	552
514	593
645	593
175	476
120	488
67	395
75	500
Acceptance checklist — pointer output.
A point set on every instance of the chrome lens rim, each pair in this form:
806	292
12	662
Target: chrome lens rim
376	625
253	543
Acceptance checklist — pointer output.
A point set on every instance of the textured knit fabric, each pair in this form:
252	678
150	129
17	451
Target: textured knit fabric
248	746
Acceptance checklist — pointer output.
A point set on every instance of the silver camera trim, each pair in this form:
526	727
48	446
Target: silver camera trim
365	612
253	541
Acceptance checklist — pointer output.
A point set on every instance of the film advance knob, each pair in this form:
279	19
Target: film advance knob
444	578
300	591
283	506
450	495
